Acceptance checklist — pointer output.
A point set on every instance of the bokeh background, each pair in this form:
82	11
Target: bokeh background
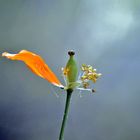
103	33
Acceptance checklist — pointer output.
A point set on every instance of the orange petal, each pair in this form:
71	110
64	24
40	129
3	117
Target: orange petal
36	64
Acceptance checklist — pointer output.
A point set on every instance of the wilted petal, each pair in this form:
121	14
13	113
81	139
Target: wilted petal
36	64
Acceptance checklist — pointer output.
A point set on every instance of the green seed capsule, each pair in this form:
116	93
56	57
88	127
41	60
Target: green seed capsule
71	71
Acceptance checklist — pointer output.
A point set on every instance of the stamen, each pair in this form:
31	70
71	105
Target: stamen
89	74
87	89
64	76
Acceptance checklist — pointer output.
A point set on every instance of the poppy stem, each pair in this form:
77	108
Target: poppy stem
65	116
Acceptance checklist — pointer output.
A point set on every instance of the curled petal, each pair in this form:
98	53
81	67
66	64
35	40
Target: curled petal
36	64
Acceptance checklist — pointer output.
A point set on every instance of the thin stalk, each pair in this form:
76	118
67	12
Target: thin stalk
65	116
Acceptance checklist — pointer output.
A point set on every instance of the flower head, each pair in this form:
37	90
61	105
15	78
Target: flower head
38	66
83	82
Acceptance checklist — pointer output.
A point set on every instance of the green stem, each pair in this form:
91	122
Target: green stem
65	116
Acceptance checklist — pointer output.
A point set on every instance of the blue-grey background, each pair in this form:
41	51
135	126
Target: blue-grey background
103	33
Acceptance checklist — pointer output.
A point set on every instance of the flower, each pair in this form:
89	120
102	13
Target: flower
38	66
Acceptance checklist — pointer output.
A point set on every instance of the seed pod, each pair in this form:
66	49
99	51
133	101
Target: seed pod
71	70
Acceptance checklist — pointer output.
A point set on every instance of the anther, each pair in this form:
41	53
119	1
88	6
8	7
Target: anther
93	90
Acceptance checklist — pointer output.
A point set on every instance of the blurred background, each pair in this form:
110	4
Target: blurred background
105	34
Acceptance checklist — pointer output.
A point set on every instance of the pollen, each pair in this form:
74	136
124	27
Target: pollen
65	71
89	74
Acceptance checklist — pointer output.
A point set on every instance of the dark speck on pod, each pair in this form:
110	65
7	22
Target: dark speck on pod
93	90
